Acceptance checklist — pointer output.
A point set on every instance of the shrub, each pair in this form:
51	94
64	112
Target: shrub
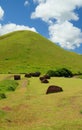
63	72
11	88
2	96
8	85
51	73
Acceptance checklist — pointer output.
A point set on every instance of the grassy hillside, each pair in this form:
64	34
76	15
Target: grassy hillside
29	108
24	51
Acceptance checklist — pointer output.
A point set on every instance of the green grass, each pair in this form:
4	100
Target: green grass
2	113
26	51
8	85
29	108
81	111
80	76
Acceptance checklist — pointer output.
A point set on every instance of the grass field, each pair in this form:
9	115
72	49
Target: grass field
29	108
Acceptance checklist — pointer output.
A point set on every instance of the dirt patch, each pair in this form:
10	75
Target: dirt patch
7	108
21	107
24	83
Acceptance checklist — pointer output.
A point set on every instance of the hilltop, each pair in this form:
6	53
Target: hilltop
25	51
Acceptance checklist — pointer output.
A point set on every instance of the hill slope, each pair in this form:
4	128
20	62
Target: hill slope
24	51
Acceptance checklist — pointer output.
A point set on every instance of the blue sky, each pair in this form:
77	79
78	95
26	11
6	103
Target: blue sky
60	21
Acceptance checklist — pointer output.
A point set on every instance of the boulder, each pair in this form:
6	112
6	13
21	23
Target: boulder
17	77
36	74
41	78
28	75
47	76
54	89
44	81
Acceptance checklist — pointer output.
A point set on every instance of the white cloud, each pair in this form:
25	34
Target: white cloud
58	15
26	3
66	35
1	13
54	9
7	28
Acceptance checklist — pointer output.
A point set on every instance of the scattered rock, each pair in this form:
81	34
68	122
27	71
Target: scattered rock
44	81
41	78
47	76
17	77
36	74
28	75
54	89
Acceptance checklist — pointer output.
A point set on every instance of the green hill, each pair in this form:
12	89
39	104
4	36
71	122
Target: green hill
24	51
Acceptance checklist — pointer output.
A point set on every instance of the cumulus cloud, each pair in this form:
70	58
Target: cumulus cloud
66	35
59	10
1	13
7	28
26	3
57	14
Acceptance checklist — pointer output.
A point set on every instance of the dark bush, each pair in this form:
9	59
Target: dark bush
63	72
11	88
54	89
2	96
51	73
8	85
